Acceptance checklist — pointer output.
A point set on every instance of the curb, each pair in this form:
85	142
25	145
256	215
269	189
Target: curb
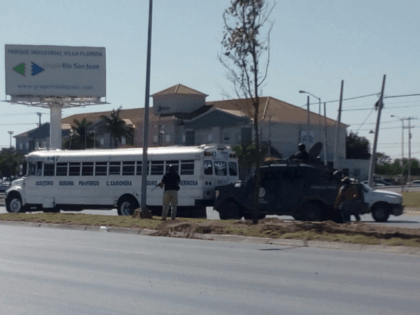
233	238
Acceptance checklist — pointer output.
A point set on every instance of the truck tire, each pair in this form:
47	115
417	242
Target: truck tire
380	213
229	210
313	212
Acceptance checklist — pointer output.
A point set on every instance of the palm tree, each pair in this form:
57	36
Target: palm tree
80	136
117	128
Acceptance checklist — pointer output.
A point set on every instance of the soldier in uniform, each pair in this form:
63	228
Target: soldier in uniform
344	201
301	155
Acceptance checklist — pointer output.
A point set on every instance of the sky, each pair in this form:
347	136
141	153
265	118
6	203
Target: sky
315	44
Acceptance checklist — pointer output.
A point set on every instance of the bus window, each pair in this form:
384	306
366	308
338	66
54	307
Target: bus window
74	169
139	168
114	168
38	168
208	167
101	168
174	163
187	167
220	168
233	169
49	169
87	169
157	168
61	169
31	169
128	168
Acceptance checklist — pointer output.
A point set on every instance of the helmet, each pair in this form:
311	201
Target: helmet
346	180
301	146
172	168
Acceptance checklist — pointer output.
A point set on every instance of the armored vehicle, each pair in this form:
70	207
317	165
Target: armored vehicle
304	191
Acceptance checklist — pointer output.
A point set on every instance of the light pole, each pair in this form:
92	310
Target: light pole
319	124
402	150
10	133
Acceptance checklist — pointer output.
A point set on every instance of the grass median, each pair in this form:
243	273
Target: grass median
354	233
411	199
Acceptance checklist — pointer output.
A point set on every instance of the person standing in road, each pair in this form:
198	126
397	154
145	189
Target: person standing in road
171	182
344	201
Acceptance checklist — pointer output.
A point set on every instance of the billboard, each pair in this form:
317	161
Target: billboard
55	71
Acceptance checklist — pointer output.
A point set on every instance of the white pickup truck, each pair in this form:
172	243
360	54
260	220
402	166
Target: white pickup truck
382	203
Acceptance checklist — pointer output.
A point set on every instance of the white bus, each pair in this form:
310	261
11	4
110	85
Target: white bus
107	179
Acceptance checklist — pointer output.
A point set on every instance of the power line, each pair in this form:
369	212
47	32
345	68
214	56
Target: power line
350	110
364	96
18	124
365	120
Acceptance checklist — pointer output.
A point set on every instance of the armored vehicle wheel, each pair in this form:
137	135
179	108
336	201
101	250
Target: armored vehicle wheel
313	212
229	210
380	213
297	216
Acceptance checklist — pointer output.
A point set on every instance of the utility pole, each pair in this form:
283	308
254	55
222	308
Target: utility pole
309	120
39	114
325	134
402	151
337	133
375	143
10	133
409	147
146	114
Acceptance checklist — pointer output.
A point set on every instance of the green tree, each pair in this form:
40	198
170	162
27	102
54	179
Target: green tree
247	155
246	56
80	136
10	161
357	147
117	128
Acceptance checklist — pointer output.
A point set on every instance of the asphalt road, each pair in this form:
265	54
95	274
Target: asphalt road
54	271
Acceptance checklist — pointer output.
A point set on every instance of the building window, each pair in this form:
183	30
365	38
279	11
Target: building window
168	138
226	136
209	137
27	145
184	137
123	141
21	146
155	138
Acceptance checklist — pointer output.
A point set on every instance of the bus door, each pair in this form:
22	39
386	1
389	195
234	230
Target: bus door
35	186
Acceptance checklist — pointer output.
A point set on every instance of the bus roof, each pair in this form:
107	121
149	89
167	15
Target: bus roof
155	151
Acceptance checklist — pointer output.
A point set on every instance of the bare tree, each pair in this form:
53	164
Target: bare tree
246	56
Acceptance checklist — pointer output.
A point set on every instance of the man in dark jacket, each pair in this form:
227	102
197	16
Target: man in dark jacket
171	182
301	155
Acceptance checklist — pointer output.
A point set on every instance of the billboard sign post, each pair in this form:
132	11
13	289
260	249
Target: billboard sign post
56	77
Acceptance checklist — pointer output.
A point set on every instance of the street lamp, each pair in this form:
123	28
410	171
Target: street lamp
402	150
319	123
10	133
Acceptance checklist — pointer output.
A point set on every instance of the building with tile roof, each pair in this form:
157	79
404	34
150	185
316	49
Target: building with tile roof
181	116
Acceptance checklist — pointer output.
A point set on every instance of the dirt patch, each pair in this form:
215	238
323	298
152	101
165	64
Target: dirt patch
276	228
356	233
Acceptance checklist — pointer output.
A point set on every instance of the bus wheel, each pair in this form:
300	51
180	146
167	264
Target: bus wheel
126	206
14	204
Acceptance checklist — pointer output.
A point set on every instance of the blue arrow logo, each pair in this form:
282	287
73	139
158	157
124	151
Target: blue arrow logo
36	69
